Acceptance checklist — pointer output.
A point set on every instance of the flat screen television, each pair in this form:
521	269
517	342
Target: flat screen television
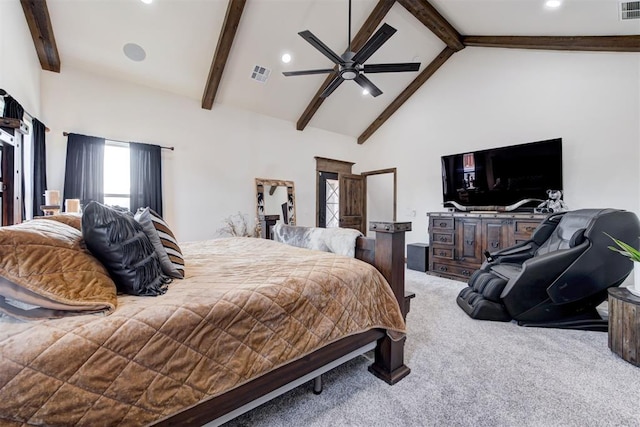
504	176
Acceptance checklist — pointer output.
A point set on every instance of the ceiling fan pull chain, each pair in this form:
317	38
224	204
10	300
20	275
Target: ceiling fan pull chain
349	35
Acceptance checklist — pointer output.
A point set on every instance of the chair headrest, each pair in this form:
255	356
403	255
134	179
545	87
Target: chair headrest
571	230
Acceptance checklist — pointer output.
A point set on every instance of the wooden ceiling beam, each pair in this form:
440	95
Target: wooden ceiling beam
431	18
375	18
225	41
446	53
37	15
581	43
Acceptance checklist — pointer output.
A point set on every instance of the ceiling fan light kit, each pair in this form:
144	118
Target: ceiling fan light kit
350	65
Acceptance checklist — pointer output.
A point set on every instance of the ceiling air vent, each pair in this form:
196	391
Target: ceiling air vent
630	10
261	74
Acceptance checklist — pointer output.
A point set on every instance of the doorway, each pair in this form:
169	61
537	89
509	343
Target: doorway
345	200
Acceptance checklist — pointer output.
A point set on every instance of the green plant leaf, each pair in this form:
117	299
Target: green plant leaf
625	249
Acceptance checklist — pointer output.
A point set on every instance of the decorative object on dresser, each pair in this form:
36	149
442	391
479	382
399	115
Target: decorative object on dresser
558	277
458	240
554	203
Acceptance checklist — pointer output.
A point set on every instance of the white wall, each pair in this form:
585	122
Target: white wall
379	199
484	97
218	153
19	65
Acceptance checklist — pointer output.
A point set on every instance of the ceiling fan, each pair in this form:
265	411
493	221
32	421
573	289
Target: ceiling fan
351	64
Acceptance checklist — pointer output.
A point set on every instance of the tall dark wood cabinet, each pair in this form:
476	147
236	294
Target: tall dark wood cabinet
458	240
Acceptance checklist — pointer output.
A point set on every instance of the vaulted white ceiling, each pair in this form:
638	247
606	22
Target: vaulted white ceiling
180	38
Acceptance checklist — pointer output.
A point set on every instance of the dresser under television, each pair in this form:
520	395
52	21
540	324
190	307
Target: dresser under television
458	240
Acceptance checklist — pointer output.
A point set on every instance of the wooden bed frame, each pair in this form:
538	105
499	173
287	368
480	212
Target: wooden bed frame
386	253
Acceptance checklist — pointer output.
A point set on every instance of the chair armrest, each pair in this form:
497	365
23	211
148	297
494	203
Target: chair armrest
517	253
546	268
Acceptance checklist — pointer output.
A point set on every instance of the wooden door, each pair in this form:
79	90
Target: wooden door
353	202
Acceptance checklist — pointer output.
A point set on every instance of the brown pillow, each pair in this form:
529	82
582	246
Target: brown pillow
48	272
74	220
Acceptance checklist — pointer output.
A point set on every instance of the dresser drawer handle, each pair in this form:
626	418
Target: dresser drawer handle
443	224
466	273
443	239
469	242
529	228
442	253
495	244
443	268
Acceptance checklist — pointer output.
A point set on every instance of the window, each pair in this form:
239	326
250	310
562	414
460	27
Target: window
117	187
332	203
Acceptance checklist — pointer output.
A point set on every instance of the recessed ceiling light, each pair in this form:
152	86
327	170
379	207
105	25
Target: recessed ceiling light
286	58
553	4
134	52
147	1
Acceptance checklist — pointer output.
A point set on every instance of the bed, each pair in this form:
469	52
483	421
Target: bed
251	318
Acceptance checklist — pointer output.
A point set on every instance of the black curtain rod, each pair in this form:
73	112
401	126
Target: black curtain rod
126	142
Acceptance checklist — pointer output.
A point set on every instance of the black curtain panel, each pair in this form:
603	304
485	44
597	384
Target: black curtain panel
39	166
12	108
84	171
146	177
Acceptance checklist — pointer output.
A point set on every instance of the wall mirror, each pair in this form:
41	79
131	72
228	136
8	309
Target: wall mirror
276	197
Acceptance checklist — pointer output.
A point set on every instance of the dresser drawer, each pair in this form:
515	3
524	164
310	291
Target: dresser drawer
442	238
525	228
445	253
461	271
441	223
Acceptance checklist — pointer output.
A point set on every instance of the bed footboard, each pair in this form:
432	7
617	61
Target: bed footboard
388	258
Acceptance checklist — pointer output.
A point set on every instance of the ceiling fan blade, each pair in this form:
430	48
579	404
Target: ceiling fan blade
305	72
333	85
365	83
315	42
391	68
374	43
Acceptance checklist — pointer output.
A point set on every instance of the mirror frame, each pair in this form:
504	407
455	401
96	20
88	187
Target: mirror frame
261	183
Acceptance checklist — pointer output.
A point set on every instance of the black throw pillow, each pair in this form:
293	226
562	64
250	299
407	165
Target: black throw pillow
119	242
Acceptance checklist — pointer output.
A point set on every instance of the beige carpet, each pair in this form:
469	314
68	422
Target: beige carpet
467	372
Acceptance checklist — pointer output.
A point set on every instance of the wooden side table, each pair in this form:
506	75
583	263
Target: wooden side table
624	324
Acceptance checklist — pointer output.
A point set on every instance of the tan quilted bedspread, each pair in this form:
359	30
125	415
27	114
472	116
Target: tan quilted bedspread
245	307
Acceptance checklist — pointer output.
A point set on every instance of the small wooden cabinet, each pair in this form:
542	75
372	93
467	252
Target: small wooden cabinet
458	240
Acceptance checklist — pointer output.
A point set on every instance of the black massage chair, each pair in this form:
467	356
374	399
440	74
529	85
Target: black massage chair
558	277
